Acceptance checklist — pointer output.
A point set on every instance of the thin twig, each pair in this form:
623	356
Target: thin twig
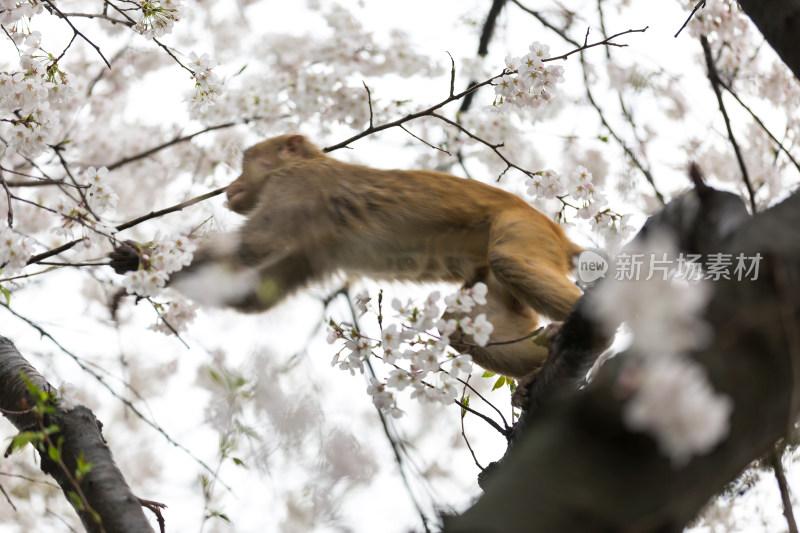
159	43
410	116
452	75
10	214
634	159
153	214
547	24
464	432
8	499
606	42
369	101
783	485
177	207
469	90
716	83
100	16
760	123
172	142
77	32
155	508
507	431
623	106
398	456
423	141
494	147
44	182
698	5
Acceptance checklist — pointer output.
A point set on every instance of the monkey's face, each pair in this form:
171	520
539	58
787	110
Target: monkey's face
243	191
258	164
240	198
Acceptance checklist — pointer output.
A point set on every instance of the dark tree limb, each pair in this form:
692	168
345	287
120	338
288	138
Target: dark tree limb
577	468
779	22
104	487
483	45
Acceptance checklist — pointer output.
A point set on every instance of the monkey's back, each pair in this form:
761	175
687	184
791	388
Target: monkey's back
417	224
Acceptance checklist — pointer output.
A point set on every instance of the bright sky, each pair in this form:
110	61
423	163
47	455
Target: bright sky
436	30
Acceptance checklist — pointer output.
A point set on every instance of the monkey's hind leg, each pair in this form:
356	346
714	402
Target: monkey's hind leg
532	268
511	351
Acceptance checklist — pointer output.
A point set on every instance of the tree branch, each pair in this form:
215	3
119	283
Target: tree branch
104	487
713	77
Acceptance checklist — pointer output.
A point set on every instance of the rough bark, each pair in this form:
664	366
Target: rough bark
577	468
779	22
104	486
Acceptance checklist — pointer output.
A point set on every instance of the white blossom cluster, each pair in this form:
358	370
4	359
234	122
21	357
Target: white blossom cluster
578	186
723	22
157	17
83	213
15	250
99	194
159	259
318	78
732	40
30	99
528	82
420	358
355	44
207	84
670	396
676	404
11	11
175	315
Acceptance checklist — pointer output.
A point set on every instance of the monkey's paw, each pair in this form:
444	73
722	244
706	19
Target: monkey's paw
526	384
126	257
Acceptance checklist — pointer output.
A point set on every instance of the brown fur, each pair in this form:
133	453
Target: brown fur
309	215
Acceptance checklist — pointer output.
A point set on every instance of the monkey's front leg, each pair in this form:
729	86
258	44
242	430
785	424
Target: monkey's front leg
235	276
224	273
272	281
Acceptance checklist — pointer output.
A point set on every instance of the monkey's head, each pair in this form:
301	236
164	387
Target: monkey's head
258	164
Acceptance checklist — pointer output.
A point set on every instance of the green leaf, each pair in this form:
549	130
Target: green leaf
21	439
54	453
465	401
75	500
487	374
499	383
218	514
5	293
45	400
83	467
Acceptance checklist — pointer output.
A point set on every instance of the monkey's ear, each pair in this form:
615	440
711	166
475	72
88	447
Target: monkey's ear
295	146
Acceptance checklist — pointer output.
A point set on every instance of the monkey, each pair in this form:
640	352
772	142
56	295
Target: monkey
309	215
